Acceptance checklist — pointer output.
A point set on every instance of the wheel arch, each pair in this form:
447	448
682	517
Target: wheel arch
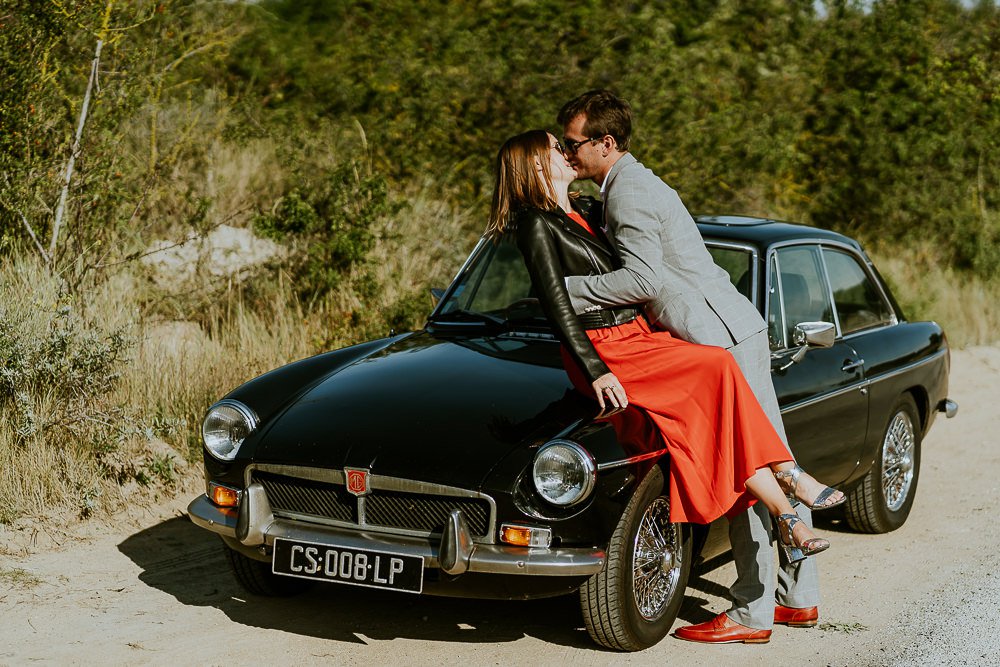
921	398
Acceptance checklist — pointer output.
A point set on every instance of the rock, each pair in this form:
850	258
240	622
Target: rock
225	251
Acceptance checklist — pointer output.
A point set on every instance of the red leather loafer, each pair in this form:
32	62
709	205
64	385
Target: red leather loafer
804	617
723	630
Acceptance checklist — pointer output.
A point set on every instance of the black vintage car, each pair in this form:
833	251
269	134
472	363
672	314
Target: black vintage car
458	459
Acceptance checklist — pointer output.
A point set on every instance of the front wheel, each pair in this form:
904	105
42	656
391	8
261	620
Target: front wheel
882	502
257	578
631	603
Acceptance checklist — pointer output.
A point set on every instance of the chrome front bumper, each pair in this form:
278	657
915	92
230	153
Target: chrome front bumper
254	528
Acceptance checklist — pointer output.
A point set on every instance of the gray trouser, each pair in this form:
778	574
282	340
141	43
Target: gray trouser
757	588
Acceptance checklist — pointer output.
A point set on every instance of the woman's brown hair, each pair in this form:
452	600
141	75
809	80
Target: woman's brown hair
518	182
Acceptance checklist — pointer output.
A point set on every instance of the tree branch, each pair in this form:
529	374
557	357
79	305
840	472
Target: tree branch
61	208
31	232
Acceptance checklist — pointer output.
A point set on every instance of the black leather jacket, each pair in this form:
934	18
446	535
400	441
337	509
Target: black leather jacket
555	246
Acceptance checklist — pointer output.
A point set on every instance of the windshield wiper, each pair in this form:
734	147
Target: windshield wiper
469	317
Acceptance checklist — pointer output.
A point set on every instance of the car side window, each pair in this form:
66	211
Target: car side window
859	303
804	293
738	263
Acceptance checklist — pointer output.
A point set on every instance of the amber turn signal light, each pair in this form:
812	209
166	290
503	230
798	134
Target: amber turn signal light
525	536
223	496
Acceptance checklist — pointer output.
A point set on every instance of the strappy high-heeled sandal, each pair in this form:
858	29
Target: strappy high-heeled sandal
819	502
796	552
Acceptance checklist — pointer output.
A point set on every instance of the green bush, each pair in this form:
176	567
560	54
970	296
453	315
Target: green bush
67	368
329	227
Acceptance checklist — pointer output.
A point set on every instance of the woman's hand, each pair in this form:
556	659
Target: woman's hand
608	386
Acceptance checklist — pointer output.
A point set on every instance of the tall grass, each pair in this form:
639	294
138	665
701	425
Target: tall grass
60	362
181	347
966	306
88	448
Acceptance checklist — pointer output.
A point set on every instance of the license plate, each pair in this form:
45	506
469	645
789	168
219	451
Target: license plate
347	565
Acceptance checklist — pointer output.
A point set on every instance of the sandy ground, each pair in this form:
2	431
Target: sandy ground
154	589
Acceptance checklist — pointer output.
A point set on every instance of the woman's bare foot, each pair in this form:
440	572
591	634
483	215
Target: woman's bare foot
801	533
799	484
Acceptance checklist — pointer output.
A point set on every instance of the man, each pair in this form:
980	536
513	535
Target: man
667	267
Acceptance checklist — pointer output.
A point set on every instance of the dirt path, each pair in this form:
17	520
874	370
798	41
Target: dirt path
156	590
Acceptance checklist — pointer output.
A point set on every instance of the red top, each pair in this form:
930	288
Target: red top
576	217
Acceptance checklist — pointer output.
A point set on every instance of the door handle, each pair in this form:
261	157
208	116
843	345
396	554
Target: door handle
851	365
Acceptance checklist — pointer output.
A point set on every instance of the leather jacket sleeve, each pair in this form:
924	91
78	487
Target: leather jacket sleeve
538	246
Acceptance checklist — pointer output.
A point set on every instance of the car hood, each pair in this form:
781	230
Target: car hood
437	408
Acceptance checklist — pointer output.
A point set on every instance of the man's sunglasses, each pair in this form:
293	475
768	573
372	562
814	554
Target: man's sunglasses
574	146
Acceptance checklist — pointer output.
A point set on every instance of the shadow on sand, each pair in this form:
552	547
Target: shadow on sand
186	562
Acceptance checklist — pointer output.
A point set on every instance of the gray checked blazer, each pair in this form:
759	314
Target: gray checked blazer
665	264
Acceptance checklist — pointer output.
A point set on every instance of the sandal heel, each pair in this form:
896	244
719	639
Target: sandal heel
793	554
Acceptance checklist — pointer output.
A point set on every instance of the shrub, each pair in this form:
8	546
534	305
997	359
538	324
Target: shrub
58	357
328	228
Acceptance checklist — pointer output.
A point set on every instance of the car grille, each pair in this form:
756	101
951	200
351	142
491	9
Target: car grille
390	509
304	496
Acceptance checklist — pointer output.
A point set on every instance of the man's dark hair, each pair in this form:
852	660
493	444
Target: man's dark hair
606	113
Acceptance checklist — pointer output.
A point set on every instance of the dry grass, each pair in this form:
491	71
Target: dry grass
423	247
237	175
968	308
211	337
177	368
19	578
46	445
89	457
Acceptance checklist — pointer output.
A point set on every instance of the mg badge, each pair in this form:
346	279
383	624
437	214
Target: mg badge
357	480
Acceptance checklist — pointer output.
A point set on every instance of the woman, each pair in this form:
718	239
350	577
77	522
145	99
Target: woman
723	450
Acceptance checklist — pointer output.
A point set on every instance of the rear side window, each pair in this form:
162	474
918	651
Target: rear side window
738	263
859	302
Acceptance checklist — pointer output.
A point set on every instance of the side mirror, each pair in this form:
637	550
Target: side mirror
436	294
810	334
814	334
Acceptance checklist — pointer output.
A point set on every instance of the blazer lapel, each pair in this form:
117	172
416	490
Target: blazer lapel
622	162
608	229
605	233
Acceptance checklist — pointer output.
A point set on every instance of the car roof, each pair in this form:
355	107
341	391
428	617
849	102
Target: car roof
764	232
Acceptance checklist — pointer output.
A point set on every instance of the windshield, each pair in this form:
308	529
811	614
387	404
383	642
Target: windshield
494	288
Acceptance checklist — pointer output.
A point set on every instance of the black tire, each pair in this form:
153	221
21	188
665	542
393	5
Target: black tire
882	502
257	578
613	616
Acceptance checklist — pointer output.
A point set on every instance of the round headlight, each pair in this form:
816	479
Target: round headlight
226	426
564	473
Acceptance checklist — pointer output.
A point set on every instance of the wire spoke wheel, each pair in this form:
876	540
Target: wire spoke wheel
897	461
883	499
656	565
631	603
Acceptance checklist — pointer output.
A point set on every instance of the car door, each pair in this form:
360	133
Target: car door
867	321
823	397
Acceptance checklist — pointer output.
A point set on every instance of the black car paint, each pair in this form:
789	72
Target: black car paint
467	405
430	379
